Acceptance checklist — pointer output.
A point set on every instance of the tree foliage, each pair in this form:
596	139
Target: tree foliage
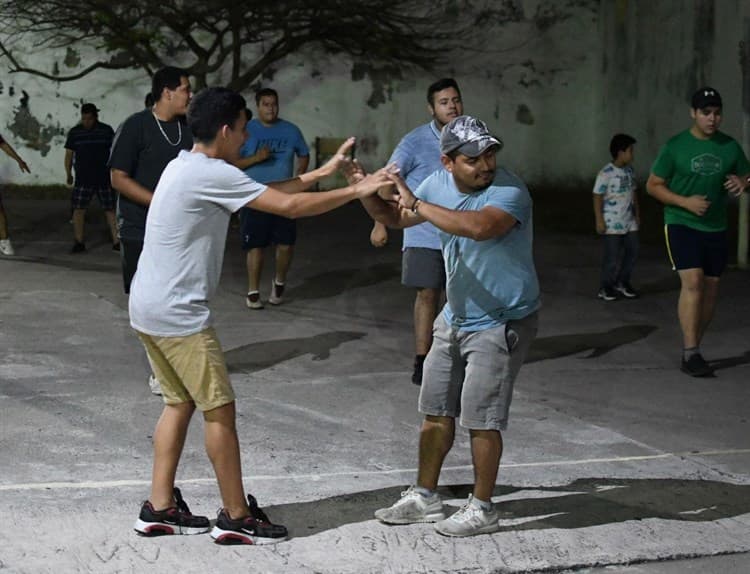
229	41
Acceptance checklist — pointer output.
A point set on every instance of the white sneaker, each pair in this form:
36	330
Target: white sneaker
277	293
411	508
154	385
252	300
468	521
6	247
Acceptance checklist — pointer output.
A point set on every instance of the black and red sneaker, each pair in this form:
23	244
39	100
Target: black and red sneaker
173	520
253	529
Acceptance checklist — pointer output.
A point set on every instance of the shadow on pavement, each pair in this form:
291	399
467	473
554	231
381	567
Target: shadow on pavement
729	362
332	283
600	343
264	354
582	503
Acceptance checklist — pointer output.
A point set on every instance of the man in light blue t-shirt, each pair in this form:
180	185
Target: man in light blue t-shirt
269	155
418	156
483	216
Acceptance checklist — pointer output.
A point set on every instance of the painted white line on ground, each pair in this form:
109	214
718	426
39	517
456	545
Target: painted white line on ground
358	473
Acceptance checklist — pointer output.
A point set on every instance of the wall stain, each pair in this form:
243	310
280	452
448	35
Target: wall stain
381	79
524	115
36	135
72	58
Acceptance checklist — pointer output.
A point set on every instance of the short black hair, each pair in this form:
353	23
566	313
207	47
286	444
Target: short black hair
248	114
439	86
211	109
148	101
620	142
265	92
169	78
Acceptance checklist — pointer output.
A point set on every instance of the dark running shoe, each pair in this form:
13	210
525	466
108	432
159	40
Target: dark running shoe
78	247
173	520
607	294
627	291
696	366
253	529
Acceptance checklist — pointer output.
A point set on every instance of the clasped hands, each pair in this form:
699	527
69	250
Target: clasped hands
392	188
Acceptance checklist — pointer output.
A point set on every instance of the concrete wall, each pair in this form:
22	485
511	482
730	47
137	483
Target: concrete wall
654	56
554	83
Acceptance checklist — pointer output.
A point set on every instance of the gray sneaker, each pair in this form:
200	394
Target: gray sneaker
412	507
468	521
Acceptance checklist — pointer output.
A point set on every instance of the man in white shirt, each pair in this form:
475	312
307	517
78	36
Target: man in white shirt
178	272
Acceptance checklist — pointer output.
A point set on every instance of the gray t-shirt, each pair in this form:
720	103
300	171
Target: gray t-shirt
141	150
183	249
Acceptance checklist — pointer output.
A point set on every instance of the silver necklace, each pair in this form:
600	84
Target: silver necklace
161	129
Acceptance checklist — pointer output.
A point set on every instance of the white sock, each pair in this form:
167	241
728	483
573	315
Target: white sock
484	505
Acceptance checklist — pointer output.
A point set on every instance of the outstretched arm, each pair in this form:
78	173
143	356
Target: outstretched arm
305	180
7	148
485	223
294	205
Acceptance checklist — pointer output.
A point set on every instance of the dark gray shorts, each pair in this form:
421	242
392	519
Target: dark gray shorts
423	268
471	374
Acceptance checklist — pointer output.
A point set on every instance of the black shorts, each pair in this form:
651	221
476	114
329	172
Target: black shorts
261	229
690	248
130	252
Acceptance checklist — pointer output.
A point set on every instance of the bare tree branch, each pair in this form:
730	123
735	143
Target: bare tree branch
245	38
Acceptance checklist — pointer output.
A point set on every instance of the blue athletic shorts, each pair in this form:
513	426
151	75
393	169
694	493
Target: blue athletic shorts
261	229
690	248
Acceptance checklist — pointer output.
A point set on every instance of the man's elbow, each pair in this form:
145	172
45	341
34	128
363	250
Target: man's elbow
291	206
484	231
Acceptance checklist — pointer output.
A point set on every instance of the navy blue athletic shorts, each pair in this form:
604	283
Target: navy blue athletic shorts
690	248
261	229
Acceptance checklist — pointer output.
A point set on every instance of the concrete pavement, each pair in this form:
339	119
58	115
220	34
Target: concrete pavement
615	461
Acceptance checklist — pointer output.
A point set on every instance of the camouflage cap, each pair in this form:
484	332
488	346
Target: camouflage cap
467	135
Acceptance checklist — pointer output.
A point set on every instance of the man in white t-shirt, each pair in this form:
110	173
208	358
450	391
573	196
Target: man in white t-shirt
177	275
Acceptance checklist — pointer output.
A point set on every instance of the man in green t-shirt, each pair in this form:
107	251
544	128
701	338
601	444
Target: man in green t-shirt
692	176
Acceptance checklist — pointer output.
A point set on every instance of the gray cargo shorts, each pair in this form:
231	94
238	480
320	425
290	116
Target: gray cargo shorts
422	268
471	373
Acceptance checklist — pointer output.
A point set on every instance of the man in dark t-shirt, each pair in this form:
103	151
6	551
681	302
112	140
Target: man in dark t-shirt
87	149
145	143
